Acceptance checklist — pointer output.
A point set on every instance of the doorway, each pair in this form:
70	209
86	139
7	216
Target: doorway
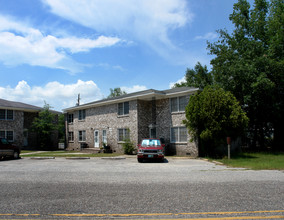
96	139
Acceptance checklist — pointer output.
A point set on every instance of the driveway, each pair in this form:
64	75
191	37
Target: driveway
108	188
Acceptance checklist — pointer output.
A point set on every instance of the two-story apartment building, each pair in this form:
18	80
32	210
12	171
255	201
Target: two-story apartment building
146	114
15	122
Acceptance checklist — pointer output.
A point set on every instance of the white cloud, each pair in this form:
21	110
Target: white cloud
21	44
146	21
207	36
58	95
171	85
132	89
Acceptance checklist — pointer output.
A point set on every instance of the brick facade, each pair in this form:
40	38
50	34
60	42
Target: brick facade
144	113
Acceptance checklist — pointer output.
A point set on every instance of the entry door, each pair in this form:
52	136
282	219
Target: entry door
96	138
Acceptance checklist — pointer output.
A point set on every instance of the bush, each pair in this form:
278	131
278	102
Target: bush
128	147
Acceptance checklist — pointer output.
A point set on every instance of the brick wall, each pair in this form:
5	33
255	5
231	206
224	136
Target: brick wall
16	126
138	121
104	118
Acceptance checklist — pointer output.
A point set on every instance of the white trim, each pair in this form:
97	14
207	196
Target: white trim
82	141
178	141
104	137
157	94
5	135
97	143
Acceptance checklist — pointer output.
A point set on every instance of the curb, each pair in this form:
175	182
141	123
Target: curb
41	158
113	158
77	158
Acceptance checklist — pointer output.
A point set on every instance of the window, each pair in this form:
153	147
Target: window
70	118
123	108
6	114
71	136
82	136
123	133
9	135
82	114
178	134
178	104
2	134
153	133
104	136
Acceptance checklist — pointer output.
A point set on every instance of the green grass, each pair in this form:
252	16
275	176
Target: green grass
67	154
256	161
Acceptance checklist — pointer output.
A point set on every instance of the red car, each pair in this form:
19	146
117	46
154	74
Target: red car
151	149
8	150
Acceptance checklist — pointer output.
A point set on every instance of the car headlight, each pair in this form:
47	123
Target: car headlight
160	151
140	151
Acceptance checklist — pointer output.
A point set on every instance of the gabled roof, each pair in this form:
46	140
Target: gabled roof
142	95
5	104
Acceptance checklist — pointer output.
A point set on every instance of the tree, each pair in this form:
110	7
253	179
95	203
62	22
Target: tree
198	77
116	92
249	62
211	116
44	125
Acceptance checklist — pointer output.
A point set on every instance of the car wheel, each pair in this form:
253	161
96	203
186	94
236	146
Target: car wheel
140	160
16	155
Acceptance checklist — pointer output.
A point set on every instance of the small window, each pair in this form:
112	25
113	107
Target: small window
10	115
178	135
71	136
70	118
9	135
104	136
178	104
82	136
6	114
123	108
82	114
2	134
2	114
123	133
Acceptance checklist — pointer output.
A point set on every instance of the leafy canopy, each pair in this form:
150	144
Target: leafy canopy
249	62
44	125
214	114
116	92
198	77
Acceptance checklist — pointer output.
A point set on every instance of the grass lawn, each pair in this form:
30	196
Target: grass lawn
67	154
256	161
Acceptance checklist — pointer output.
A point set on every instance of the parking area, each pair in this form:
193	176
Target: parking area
122	187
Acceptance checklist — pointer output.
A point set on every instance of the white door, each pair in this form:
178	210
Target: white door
96	138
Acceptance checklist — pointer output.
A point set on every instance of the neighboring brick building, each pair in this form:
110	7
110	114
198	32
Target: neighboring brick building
15	121
150	113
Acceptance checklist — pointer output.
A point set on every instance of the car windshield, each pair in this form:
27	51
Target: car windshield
150	142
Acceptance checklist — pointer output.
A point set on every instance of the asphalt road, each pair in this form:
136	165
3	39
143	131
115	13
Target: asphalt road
103	188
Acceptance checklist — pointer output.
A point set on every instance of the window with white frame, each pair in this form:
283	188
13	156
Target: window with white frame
9	135
123	133
178	104
70	118
82	136
71	136
105	136
123	108
6	114
178	134
82	114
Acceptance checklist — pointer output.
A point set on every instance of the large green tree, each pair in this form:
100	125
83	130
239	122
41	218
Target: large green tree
198	77
44	125
249	62
211	116
116	92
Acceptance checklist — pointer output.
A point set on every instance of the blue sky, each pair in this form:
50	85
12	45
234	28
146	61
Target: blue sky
51	50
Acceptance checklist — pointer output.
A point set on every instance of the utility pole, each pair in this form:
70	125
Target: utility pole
78	100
